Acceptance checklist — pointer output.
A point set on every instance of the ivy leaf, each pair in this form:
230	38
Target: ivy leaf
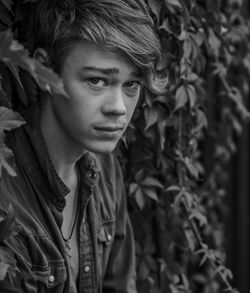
7	4
161	128
189	198
166	27
173	188
3	270
192	168
224	271
236	125
143	271
183	35
177	201
236	96
132	188
204	251
190	238
13	54
7	263
187	48
219	69
185	282
204	258
47	76
191	95
8	225
199	37
202	220
174	3
5	155
181	97
155	6
140	199
9	119
201	120
214	42
139	175
192	77
151	193
151	117
6	54
151	182
173	288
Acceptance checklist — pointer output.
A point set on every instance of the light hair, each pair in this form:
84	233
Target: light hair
124	26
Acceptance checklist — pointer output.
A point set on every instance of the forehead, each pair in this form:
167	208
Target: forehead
85	54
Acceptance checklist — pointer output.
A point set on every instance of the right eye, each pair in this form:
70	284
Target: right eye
97	82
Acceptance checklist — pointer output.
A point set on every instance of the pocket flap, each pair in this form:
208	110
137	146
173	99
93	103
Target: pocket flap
52	275
105	233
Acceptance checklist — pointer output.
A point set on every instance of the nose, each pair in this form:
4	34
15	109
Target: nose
114	103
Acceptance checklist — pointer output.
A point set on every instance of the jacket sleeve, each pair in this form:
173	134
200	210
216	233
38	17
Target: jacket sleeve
120	276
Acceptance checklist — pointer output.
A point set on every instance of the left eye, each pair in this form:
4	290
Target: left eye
97	82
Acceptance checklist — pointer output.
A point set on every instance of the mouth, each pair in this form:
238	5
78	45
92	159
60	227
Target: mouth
111	132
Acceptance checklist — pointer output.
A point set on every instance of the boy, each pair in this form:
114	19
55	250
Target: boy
68	195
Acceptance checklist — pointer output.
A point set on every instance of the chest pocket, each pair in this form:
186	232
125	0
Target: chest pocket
54	275
105	237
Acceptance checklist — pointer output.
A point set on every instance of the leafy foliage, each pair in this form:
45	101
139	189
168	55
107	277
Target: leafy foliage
184	140
176	193
8	120
8	227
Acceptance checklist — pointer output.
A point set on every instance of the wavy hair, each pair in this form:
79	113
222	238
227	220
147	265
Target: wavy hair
123	26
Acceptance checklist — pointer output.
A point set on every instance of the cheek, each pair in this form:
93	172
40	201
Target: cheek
130	106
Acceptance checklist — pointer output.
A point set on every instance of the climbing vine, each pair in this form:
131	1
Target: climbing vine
178	151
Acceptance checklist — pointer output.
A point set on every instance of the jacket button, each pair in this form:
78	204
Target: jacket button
86	269
51	279
109	237
92	174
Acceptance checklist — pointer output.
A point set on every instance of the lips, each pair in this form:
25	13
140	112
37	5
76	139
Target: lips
109	128
110	131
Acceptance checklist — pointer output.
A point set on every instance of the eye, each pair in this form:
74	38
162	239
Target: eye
97	82
134	84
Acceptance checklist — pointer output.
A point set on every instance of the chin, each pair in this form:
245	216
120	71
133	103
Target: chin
103	148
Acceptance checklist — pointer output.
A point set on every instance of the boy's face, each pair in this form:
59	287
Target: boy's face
103	89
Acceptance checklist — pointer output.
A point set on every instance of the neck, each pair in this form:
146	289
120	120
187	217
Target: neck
63	152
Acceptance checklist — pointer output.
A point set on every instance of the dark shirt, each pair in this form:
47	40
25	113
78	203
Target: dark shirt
37	194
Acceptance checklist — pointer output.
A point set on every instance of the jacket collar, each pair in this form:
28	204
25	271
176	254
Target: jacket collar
31	150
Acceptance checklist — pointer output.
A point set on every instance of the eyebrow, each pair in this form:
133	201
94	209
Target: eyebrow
110	71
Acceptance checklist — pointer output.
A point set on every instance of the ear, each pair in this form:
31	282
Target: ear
42	57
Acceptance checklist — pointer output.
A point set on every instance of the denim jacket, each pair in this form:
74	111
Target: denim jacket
37	194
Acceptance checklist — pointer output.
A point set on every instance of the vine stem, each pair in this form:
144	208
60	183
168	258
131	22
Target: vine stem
201	243
193	224
225	84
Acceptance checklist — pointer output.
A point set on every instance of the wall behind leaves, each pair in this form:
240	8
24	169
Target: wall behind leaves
177	150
